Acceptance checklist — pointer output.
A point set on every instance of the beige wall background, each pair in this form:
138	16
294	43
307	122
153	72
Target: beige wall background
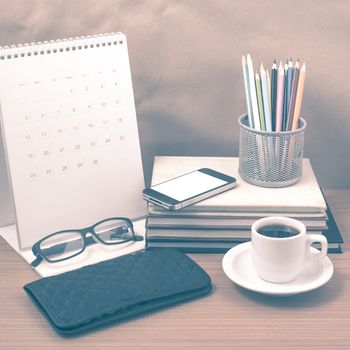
186	66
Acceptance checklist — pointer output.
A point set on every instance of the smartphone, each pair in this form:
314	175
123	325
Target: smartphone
189	188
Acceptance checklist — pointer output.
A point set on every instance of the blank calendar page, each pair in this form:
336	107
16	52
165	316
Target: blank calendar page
70	134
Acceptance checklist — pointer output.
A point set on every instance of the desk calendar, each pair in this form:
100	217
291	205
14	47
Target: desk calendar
70	134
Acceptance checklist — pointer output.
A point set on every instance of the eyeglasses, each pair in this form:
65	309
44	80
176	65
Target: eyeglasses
63	245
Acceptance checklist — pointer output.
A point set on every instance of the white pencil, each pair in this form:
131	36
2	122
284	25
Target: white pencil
265	97
280	95
247	92
253	96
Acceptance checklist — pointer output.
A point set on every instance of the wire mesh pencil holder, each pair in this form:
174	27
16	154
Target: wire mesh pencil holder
270	159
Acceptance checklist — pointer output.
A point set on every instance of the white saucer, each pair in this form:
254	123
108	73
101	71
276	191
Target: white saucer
238	267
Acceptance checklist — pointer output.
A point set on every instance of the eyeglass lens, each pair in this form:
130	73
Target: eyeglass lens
62	245
113	231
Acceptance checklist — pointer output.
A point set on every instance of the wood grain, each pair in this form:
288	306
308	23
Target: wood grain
229	318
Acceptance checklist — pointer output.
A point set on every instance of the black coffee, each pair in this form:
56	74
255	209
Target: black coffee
278	231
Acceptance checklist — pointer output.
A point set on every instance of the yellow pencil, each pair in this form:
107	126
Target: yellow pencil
299	97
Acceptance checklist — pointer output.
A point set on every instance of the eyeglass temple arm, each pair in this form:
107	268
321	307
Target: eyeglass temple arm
37	261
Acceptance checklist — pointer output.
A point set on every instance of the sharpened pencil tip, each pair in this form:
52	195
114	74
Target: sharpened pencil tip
249	59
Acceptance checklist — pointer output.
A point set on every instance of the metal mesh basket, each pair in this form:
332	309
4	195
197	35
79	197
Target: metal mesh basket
270	159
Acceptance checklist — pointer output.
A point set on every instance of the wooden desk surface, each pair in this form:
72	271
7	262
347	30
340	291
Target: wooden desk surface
230	317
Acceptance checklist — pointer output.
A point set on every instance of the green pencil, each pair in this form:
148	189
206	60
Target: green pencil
260	101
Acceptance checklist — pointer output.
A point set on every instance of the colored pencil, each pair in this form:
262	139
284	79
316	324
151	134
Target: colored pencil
273	94
247	92
293	96
269	89
285	105
260	102
280	95
273	103
299	97
253	96
289	80
265	98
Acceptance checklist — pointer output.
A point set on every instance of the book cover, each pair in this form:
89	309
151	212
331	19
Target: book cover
197	240
304	196
213	247
179	234
203	227
228	223
156	211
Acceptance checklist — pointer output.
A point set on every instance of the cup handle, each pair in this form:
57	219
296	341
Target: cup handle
313	238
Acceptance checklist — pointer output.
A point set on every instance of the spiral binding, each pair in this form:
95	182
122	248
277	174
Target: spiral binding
61	45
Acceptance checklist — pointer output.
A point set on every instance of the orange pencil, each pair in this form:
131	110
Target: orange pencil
299	97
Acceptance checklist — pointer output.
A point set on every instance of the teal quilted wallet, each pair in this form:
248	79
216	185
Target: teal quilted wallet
117	289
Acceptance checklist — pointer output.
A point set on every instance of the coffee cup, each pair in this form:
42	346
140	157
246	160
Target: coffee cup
280	247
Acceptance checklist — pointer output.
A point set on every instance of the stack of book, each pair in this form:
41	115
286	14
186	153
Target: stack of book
220	222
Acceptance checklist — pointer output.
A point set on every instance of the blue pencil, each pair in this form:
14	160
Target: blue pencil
293	96
290	74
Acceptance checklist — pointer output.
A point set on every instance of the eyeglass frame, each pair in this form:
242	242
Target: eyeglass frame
39	256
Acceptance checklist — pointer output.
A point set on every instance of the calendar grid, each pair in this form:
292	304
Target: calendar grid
68	121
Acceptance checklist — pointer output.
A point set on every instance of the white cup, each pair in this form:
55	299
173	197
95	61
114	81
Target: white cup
281	260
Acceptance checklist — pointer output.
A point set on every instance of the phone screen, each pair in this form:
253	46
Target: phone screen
188	185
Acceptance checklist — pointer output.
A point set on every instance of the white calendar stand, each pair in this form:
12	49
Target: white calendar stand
70	134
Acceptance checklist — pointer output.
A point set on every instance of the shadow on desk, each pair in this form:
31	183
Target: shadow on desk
315	298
